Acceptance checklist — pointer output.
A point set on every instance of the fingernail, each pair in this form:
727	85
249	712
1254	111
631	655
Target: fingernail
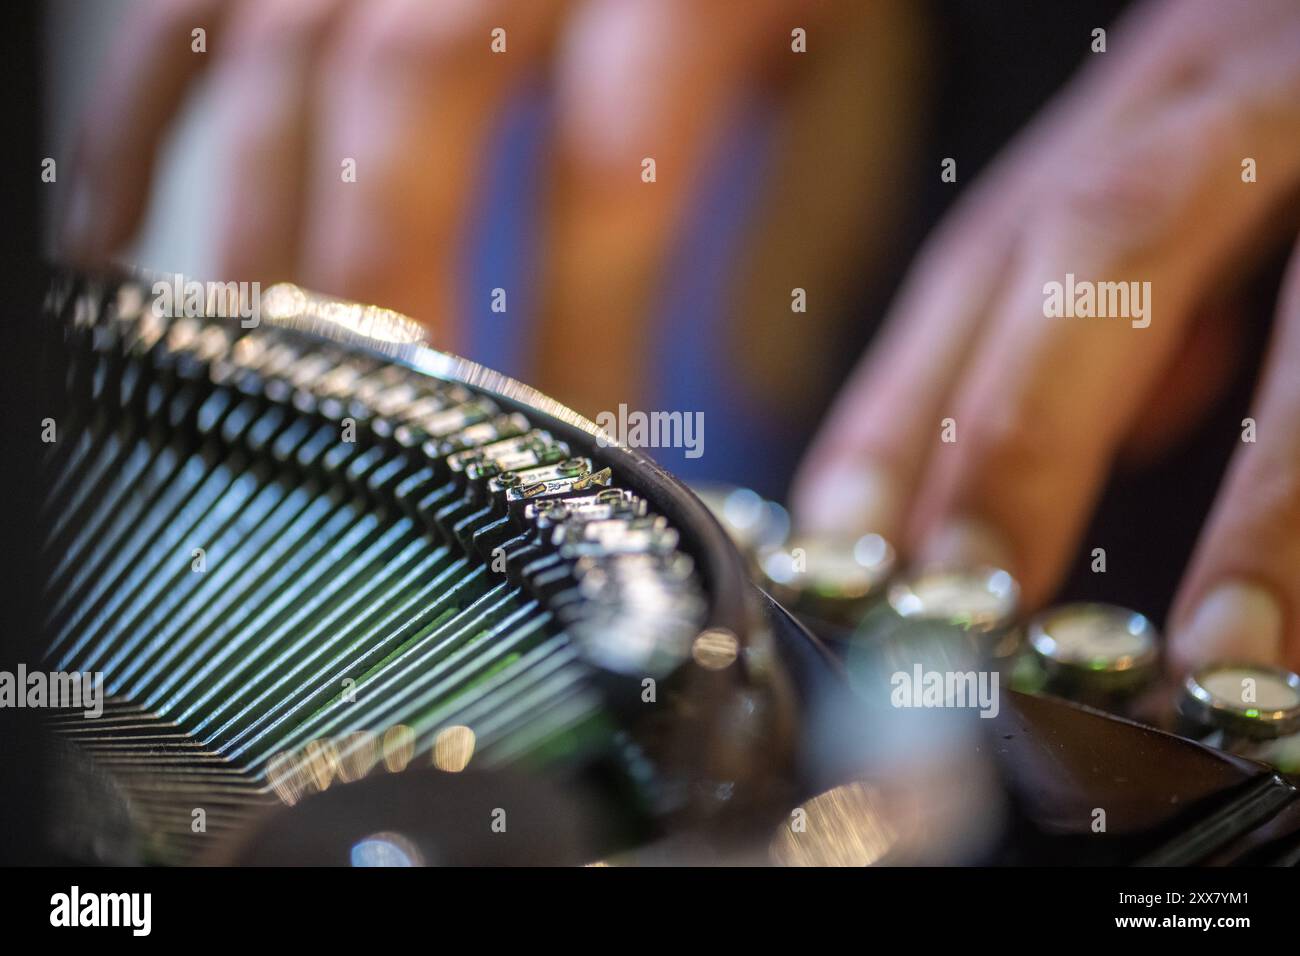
966	542
847	500
1236	621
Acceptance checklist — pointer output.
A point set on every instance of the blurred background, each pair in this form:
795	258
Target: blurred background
776	171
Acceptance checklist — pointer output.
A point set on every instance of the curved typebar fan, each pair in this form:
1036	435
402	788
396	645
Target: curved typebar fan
316	552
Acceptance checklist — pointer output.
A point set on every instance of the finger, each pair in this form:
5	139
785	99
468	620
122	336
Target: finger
864	468
151	67
1188	386
861	471
856	476
410	95
1241	595
1046	400
637	80
263	88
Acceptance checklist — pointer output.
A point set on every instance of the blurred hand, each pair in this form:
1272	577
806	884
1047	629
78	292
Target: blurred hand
1134	174
412	91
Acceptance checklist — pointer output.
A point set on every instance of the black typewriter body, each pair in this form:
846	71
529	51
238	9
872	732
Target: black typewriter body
356	600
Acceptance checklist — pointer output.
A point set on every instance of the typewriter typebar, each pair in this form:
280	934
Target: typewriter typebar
317	560
356	601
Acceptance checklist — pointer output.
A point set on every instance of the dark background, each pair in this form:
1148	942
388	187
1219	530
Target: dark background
25	398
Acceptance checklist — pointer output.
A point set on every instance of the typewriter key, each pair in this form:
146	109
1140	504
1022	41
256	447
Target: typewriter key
981	601
826	578
1094	650
1249	701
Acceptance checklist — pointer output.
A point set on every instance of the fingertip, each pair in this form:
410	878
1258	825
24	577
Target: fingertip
966	542
847	499
1235	620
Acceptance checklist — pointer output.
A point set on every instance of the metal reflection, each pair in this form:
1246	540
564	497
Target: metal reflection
453	748
358	752
385	849
289	305
845	826
398	747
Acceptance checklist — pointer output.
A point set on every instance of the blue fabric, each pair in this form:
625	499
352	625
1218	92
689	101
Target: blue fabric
502	246
697	362
693	364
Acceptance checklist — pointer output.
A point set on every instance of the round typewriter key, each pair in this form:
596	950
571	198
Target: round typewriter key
1244	700
981	601
1095	647
829	578
751	521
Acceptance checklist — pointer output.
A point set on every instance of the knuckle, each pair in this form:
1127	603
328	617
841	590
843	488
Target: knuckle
1107	210
1125	197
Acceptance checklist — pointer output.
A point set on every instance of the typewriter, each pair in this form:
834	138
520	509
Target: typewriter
355	601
